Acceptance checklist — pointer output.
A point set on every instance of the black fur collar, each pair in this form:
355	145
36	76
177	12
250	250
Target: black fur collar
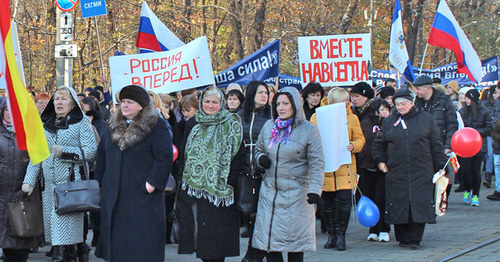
142	125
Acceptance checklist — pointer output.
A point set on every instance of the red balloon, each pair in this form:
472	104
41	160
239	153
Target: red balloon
176	152
466	142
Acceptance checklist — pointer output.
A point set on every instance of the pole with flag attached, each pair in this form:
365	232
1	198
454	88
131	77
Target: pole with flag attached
398	54
28	127
446	33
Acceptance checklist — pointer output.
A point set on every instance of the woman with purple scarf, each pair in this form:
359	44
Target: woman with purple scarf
289	149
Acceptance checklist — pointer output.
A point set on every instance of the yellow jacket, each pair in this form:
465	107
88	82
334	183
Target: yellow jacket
344	177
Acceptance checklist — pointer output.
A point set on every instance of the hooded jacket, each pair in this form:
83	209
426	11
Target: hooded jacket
75	135
285	221
13	163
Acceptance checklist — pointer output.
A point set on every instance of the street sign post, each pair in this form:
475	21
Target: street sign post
92	8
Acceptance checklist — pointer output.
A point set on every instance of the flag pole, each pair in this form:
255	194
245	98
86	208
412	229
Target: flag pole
423	58
99	44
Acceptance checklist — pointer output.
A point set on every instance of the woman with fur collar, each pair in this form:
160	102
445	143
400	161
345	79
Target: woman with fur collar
209	220
133	162
70	137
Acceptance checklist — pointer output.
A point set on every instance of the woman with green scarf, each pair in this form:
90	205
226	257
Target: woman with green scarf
208	220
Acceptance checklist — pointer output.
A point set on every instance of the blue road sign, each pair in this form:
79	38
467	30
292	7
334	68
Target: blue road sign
92	8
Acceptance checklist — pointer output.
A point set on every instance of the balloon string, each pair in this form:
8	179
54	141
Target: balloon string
361	193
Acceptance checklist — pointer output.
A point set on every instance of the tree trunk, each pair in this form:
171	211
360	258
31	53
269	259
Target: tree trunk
347	18
257	29
413	23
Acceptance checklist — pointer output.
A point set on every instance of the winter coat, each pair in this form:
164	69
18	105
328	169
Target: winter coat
256	121
483	124
345	177
412	150
133	221
370	126
444	113
309	111
495	134
13	163
78	137
285	221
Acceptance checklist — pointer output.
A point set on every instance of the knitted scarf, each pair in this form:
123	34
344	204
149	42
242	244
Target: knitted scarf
280	125
210	148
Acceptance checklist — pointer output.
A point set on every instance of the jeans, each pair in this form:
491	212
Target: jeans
497	172
489	155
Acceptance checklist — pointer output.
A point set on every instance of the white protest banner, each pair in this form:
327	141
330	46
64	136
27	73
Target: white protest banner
335	60
182	68
332	125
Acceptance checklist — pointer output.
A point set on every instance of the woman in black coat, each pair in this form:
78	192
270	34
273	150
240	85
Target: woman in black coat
133	164
408	143
13	164
256	111
476	116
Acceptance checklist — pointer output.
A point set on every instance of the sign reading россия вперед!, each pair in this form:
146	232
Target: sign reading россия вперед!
335	60
92	8
185	67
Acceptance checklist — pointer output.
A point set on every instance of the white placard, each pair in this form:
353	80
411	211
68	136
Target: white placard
335	60
332	125
182	68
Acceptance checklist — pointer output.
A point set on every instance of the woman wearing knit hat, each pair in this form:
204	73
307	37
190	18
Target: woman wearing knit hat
133	163
476	116
409	152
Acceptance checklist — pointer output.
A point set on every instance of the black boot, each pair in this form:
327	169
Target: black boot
58	253
487	180
70	253
329	216
82	252
95	237
343	212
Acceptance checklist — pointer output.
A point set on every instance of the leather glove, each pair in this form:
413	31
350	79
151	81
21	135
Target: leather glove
316	199
313	198
27	188
265	161
57	150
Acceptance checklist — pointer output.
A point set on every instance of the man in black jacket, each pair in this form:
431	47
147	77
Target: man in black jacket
439	105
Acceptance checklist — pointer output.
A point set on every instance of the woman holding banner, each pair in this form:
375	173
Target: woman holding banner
338	186
409	151
289	149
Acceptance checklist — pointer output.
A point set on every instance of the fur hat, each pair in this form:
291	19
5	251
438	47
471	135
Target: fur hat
405	94
363	89
473	94
136	93
386	91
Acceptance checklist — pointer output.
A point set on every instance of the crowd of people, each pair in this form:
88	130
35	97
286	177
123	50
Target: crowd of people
255	133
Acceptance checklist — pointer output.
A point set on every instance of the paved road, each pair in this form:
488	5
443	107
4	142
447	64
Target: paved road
462	227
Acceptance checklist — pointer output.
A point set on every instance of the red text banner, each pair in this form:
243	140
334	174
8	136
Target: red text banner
335	60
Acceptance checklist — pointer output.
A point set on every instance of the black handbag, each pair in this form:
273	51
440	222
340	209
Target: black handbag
26	218
248	193
171	185
174	218
77	196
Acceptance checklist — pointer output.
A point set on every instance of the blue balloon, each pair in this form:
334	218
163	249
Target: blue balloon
367	211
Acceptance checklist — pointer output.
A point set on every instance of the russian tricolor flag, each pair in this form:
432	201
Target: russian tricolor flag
446	33
153	35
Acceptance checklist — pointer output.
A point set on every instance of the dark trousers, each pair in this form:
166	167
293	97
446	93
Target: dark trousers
15	255
341	195
169	206
278	257
471	176
372	185
410	233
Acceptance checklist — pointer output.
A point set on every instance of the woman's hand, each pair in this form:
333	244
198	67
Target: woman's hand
149	188
350	147
27	188
383	167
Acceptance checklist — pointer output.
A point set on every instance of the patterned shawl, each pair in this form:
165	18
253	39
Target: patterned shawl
210	148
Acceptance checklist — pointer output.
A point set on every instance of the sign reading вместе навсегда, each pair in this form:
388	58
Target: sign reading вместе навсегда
92	8
335	60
